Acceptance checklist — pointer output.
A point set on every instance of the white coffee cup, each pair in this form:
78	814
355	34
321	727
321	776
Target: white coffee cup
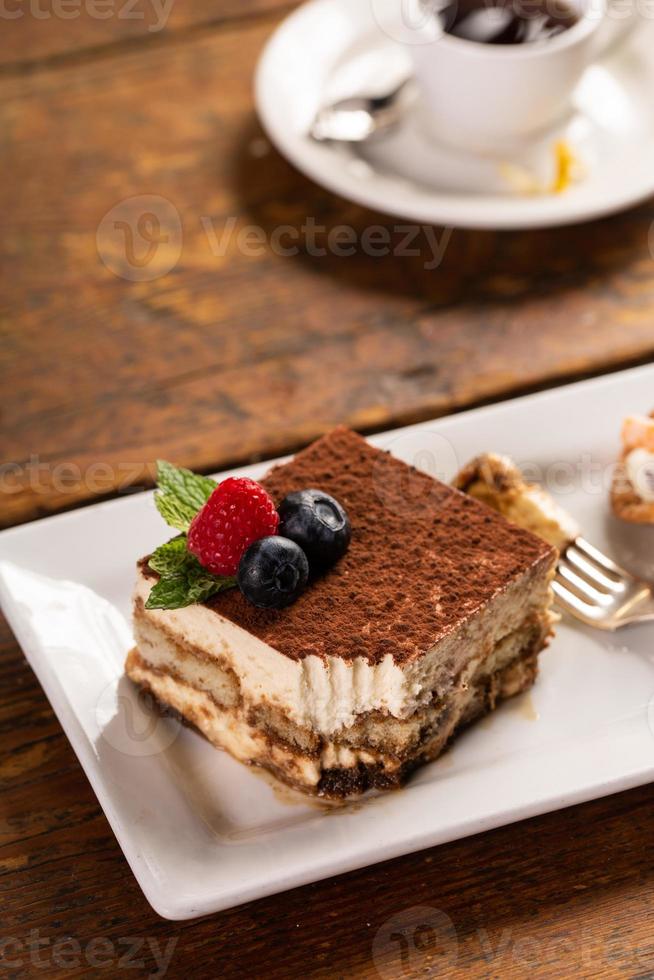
491	97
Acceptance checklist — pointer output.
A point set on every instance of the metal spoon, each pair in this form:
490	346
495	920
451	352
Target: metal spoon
359	117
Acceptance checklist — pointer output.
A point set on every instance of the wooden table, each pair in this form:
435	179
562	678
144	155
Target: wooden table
123	341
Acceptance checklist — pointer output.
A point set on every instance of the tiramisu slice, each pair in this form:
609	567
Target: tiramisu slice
435	613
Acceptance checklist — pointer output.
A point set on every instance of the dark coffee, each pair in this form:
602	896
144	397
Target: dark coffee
505	21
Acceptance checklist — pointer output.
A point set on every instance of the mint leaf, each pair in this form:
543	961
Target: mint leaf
179	590
202	586
174	512
189	488
171	557
169	593
183	580
181	494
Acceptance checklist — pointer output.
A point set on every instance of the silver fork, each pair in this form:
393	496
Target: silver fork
595	590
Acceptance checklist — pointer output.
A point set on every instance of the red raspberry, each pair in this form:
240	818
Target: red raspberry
238	512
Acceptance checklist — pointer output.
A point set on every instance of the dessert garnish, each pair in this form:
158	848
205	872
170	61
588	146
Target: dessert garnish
273	572
220	524
632	492
238	512
183	580
318	523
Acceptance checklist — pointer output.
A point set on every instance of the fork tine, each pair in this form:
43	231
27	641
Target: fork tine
592	573
586	590
594	589
604	562
574	605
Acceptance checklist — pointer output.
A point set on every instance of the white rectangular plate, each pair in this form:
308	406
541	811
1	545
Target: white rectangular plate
202	832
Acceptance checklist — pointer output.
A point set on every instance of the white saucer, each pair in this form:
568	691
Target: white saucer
329	48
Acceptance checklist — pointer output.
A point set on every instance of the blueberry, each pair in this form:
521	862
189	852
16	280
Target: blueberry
318	523
273	572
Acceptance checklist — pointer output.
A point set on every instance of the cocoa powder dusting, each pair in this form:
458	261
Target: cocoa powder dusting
423	559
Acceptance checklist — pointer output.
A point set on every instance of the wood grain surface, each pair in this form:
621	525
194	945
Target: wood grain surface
211	347
219	349
36	33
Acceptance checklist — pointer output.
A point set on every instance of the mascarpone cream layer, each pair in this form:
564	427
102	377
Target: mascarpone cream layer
328	694
325	695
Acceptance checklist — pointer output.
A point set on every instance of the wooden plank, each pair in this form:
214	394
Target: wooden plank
51	31
233	355
567	894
